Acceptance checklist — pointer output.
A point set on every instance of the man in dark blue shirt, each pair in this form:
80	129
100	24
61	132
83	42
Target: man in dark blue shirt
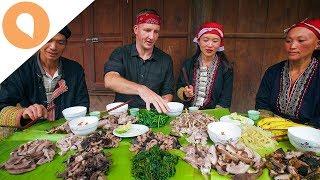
140	71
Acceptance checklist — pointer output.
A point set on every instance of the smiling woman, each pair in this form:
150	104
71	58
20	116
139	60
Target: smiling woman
206	79
291	87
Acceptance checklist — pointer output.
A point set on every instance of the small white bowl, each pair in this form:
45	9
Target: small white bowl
305	138
224	132
84	125
74	112
119	110
175	109
95	113
193	109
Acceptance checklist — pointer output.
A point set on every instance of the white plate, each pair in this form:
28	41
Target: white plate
135	130
227	118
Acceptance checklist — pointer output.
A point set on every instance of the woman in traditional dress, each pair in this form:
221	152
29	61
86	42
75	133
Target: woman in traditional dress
206	78
291	88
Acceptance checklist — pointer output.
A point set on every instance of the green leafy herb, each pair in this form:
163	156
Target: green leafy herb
152	118
154	164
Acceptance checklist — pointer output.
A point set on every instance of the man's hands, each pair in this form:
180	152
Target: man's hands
34	112
188	91
114	81
151	97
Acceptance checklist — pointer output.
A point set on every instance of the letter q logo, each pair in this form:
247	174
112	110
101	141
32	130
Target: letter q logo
25	25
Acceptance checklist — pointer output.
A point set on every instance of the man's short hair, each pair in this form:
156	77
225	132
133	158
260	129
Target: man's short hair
147	10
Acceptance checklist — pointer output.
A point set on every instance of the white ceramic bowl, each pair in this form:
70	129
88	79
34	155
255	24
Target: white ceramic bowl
84	125
193	109
74	112
119	110
224	132
305	138
175	108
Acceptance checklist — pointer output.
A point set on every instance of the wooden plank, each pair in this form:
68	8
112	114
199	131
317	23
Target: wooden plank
309	9
247	73
174	20
226	13
107	18
177	49
75	51
273	53
252	16
255	35
230	50
281	15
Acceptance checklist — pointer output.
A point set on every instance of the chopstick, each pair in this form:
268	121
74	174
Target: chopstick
116	107
30	123
185	76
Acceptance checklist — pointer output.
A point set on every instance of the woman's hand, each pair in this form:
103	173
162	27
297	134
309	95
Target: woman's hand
188	91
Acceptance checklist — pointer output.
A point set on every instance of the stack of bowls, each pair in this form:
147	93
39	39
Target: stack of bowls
74	112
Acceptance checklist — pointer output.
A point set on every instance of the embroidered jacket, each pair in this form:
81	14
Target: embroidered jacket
300	102
220	86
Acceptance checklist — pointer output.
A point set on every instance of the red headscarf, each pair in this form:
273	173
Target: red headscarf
311	24
149	18
210	28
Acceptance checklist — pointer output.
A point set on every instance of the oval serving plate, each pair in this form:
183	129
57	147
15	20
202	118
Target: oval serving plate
135	130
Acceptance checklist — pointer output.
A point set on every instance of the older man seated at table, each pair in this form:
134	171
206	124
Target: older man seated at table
42	87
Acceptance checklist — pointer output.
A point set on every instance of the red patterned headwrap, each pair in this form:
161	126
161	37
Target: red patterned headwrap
210	28
149	18
311	24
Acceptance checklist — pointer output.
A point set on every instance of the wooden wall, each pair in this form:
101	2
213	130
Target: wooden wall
254	36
